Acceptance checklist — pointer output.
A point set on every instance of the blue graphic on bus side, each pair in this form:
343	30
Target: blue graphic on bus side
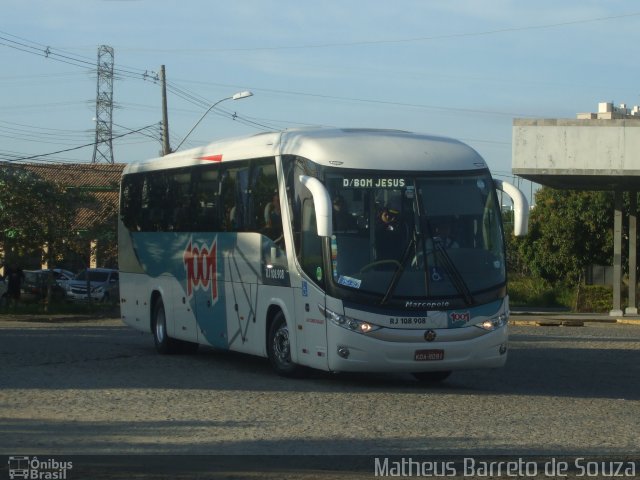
194	260
210	267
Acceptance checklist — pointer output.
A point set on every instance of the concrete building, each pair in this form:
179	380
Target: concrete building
596	151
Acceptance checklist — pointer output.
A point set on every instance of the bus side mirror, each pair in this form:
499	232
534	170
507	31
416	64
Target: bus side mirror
520	207
322	205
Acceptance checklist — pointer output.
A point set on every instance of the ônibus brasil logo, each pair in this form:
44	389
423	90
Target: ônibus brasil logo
200	264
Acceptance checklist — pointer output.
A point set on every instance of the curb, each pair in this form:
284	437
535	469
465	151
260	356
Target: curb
571	322
548	323
629	321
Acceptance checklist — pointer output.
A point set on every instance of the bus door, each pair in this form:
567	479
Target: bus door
311	328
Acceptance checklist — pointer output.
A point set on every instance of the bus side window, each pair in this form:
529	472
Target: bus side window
180	202
130	203
163	198
228	194
207	201
236	198
152	209
266	203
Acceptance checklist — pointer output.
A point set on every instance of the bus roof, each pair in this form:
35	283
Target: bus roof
371	149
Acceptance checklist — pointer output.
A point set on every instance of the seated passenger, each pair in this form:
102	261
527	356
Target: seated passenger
272	213
392	233
273	219
443	234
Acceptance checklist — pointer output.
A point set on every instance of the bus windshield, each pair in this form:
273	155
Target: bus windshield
416	236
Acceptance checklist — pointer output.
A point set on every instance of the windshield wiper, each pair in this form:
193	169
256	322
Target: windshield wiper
450	267
454	273
399	271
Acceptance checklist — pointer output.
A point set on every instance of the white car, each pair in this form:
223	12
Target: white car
103	283
61	276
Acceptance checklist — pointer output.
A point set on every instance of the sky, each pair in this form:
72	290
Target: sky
458	68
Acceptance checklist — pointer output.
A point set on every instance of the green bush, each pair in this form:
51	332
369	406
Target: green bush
527	291
595	298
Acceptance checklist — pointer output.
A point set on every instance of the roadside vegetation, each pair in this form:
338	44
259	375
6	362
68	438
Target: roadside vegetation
532	292
568	232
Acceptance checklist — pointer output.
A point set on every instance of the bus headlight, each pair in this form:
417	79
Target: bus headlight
349	323
494	323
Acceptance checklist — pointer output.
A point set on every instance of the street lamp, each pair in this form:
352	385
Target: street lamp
235	96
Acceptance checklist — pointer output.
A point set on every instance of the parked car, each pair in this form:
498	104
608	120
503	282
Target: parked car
34	287
103	284
61	276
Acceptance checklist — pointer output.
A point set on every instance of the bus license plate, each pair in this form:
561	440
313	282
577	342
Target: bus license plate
428	355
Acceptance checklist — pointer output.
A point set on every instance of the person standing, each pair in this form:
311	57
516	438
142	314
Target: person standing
14	276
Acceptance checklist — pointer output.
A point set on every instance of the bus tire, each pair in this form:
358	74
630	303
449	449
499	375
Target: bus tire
164	343
432	377
279	348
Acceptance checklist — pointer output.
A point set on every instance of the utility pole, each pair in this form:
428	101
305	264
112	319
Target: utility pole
166	148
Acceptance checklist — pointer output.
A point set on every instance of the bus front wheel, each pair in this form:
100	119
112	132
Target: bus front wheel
279	348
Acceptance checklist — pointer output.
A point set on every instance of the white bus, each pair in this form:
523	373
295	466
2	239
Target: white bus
335	249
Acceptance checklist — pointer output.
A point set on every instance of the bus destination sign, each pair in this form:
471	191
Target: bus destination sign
377	182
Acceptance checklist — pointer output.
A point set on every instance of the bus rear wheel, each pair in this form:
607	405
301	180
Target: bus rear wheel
432	377
279	349
164	343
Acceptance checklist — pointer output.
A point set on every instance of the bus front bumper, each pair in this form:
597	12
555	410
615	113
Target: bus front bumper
396	350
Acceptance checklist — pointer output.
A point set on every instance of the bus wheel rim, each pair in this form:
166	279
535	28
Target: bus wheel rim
160	326
281	347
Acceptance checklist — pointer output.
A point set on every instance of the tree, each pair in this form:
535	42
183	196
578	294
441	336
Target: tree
99	237
568	230
35	212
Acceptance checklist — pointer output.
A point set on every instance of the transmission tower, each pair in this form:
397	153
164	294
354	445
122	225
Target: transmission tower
103	149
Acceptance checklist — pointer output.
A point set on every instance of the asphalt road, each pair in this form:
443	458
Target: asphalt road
98	387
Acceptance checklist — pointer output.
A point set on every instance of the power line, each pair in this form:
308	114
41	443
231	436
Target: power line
34	48
198	100
379	102
156	137
407	40
203	102
81	146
